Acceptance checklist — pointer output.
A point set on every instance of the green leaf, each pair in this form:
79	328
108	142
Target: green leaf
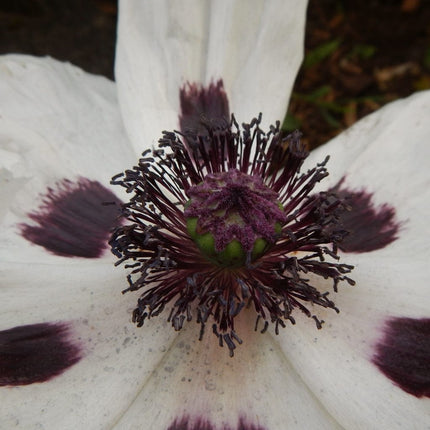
315	95
291	123
362	51
330	119
320	92
320	53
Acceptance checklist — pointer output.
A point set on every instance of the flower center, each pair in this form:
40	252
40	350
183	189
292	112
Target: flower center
245	199
233	217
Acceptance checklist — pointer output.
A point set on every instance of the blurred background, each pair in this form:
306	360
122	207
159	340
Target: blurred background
359	54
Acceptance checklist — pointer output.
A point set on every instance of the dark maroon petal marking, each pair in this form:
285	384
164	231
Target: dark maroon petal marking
403	354
370	228
74	219
202	424
197	101
36	353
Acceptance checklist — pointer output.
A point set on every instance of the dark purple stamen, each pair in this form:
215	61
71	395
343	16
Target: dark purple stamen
170	267
202	424
197	101
74	219
403	354
36	353
370	228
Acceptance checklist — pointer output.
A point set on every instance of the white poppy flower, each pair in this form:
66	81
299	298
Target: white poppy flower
70	356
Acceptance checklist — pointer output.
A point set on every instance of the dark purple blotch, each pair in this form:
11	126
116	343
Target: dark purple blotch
74	219
369	227
198	102
403	354
36	353
202	424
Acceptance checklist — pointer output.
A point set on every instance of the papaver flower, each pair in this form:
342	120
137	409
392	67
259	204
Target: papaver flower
70	355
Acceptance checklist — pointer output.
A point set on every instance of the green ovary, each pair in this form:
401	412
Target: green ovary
233	255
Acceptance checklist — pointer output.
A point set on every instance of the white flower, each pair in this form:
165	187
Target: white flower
58	122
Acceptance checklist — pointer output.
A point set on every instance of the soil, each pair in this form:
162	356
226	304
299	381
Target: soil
359	55
82	32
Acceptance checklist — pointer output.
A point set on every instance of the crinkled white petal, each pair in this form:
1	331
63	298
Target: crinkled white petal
118	357
198	380
386	154
56	122
255	46
335	363
55	118
386	151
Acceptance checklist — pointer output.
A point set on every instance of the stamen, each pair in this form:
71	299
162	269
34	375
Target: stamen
225	220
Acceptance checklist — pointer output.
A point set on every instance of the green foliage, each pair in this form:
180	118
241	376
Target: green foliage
320	53
362	52
291	123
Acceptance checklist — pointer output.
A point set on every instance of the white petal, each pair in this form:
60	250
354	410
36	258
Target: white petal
199	380
56	122
255	46
118	357
59	119
385	151
335	363
158	44
386	154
